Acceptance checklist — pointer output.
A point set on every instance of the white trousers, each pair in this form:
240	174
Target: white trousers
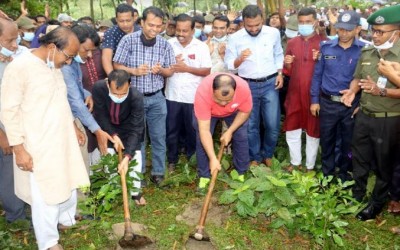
136	169
293	139
45	218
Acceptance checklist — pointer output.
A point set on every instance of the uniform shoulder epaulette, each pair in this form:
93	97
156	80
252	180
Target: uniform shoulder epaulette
367	47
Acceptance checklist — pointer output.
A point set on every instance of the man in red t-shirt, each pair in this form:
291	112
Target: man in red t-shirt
227	97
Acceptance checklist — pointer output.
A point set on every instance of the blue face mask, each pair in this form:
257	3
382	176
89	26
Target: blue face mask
28	36
306	29
6	52
51	64
118	99
78	59
197	32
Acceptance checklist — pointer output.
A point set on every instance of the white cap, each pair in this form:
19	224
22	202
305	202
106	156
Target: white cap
364	23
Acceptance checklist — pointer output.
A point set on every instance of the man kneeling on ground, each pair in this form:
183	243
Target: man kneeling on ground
118	108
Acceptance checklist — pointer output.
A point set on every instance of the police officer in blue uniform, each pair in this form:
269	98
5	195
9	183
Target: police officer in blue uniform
334	72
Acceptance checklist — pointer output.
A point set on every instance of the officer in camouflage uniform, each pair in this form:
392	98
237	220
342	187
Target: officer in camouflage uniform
376	137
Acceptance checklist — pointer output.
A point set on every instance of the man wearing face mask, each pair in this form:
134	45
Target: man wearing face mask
300	58
80	100
39	125
199	24
217	44
148	58
14	207
118	108
256	52
333	73
376	137
26	30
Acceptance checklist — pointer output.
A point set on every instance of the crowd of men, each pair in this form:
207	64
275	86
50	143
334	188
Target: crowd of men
72	91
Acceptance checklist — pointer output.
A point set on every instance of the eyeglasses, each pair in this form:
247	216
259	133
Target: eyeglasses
380	32
66	55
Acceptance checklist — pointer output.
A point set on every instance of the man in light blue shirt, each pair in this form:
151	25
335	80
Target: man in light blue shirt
80	99
256	52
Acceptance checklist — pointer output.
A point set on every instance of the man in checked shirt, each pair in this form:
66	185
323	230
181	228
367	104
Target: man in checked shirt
148	57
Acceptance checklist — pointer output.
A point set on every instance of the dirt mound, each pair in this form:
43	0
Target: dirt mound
216	214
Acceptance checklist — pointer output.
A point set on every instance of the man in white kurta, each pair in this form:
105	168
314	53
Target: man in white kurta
48	164
193	63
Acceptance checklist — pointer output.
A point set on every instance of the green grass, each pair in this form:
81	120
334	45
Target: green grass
236	233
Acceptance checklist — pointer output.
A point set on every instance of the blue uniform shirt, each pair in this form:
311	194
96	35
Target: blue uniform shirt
335	68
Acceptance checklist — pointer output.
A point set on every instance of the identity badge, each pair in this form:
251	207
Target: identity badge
381	83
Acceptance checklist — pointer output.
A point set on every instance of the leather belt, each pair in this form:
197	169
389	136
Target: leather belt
334	98
380	114
263	79
151	94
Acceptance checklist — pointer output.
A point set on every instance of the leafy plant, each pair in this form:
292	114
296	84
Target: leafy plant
308	202
105	189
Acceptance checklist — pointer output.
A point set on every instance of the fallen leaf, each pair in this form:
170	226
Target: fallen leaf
382	223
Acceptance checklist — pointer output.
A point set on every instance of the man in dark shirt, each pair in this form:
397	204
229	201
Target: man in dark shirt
124	15
119	110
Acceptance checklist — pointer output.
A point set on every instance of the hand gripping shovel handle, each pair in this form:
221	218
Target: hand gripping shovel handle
206	204
127	217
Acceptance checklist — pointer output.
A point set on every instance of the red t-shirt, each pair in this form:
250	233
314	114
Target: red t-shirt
205	107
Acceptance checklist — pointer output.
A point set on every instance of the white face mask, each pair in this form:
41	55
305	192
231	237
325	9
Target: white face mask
220	40
386	45
207	29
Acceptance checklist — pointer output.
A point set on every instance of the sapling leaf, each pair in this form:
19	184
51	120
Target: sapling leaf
275	181
227	197
247	196
338	240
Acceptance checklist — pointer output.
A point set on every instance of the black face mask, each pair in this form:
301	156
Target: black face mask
148	43
253	35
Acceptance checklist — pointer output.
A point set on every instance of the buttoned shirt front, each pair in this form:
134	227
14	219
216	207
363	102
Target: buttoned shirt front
132	53
181	87
266	52
335	68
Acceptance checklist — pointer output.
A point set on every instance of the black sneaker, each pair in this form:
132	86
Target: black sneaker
157	179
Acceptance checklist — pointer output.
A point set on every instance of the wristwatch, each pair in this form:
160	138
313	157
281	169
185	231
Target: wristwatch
279	73
382	92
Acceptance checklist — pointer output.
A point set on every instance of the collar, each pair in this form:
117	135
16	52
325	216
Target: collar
356	42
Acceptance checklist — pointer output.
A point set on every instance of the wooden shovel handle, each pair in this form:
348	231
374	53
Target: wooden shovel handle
127	216
206	204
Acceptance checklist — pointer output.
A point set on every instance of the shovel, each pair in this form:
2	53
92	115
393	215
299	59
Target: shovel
129	240
200	234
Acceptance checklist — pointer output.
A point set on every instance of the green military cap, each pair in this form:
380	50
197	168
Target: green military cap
25	23
386	15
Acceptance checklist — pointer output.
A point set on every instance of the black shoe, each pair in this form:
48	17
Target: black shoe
369	212
157	179
171	167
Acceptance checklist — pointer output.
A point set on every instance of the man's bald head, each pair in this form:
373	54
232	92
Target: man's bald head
7	25
60	36
8	35
224	87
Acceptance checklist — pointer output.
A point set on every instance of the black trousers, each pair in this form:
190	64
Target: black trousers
375	145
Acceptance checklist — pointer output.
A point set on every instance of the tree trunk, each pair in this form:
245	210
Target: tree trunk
67	5
113	3
91	9
261	6
101	9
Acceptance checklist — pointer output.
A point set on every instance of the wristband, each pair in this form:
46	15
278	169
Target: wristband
382	92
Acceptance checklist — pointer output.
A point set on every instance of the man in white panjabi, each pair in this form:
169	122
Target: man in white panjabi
39	124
